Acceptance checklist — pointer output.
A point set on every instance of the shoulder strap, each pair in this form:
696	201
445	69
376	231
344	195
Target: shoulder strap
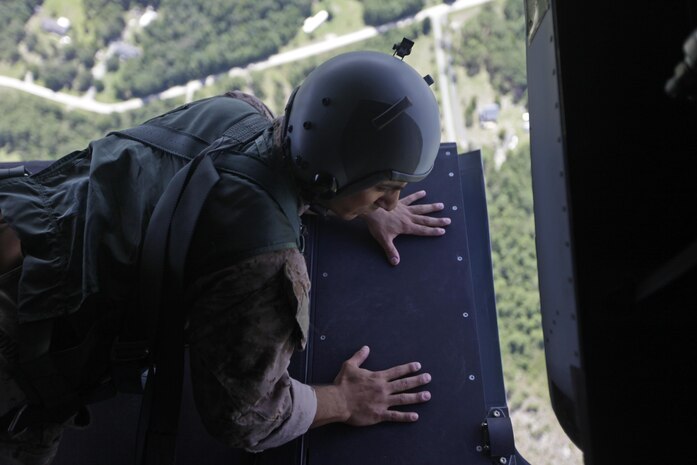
163	261
236	136
164	138
187	145
257	171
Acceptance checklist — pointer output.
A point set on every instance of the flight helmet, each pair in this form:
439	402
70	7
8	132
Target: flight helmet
358	119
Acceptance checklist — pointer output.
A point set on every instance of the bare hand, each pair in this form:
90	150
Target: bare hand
406	218
370	394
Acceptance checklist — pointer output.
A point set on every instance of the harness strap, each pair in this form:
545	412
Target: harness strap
165	139
131	352
255	170
247	129
165	249
163	262
237	135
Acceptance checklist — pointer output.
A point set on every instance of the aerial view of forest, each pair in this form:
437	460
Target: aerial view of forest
73	70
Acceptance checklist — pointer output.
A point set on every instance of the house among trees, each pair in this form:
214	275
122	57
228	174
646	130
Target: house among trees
58	26
148	17
489	115
124	51
313	22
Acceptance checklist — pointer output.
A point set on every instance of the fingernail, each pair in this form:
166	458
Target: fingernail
446	220
414	416
441	231
439	205
417	366
426	395
394	260
427	378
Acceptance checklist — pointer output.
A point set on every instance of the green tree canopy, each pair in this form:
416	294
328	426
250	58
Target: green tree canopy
377	12
190	40
495	40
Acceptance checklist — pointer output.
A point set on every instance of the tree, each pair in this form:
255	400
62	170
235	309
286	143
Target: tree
190	39
496	41
426	26
112	63
57	75
59	133
377	12
13	16
510	205
105	20
83	80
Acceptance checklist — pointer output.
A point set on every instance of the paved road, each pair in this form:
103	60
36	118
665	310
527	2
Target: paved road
453	121
84	103
436	13
443	84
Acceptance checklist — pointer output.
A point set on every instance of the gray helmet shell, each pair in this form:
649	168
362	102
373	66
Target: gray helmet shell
360	118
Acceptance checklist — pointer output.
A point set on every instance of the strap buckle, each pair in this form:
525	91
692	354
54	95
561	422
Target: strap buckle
12	426
130	352
129	361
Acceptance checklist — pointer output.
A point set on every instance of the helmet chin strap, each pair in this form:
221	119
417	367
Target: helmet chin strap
320	210
314	200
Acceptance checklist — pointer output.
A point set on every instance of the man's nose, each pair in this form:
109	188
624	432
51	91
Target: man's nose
389	200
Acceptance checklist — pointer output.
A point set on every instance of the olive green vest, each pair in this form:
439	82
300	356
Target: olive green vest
82	220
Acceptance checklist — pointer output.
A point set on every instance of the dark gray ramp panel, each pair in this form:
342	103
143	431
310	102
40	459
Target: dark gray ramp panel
437	307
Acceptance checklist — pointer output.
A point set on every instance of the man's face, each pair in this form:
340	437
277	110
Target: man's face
382	195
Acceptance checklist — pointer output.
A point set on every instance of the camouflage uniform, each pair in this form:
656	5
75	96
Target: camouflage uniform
244	327
246	322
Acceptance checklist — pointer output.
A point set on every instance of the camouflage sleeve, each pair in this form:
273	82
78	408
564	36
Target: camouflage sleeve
246	322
